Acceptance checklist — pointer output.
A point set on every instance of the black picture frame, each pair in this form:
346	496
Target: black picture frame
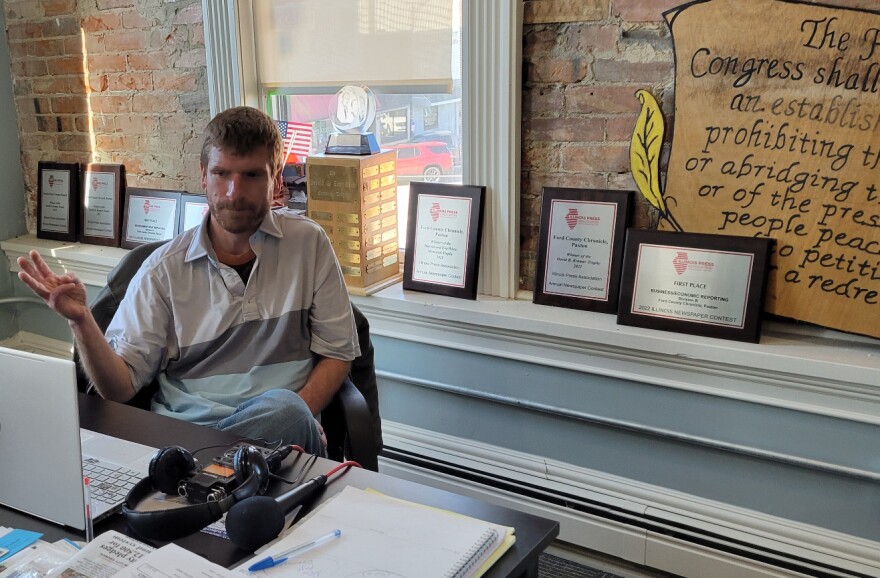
443	239
580	248
100	208
188	203
701	284
58	191
139	227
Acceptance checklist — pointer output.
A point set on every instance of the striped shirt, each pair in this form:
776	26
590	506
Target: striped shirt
212	341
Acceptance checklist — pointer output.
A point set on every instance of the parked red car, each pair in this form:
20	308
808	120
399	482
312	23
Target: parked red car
429	160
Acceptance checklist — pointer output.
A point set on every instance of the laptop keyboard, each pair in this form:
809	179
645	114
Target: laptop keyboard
109	483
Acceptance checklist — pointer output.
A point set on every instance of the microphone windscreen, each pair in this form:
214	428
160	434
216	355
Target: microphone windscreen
253	522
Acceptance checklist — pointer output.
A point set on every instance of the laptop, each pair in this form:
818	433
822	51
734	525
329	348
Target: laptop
43	451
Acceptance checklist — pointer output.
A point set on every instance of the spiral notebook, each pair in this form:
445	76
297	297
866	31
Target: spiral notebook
384	536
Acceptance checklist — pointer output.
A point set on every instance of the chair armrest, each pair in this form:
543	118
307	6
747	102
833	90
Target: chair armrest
348	412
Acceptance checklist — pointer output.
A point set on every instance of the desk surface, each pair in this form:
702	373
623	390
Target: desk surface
533	534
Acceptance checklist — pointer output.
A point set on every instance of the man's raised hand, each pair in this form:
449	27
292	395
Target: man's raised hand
64	294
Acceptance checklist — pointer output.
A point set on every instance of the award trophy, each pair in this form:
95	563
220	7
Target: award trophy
352	111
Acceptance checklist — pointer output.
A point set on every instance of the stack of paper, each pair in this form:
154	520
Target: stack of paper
384	536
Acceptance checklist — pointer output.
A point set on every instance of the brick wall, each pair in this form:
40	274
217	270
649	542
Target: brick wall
111	81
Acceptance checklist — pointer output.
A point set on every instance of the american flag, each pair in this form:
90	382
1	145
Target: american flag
297	139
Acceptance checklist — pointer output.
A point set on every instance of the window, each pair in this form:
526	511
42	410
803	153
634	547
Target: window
490	87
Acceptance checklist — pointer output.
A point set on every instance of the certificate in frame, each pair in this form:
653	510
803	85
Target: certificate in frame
443	239
57	200
580	251
150	215
100	215
710	285
192	210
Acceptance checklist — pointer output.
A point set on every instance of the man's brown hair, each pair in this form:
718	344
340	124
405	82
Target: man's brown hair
241	131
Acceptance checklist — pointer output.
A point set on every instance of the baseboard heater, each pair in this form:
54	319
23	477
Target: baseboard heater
672	529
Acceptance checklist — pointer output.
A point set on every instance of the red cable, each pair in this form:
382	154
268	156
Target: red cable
347	464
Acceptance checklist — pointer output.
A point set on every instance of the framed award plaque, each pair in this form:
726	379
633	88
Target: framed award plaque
150	215
57	200
101	204
443	239
580	251
710	285
192	210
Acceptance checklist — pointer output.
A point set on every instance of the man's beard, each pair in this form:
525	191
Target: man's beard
238	217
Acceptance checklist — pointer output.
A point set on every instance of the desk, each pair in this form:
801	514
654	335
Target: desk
533	534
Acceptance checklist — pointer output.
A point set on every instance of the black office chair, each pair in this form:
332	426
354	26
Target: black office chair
351	420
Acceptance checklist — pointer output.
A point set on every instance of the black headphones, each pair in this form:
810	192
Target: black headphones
169	469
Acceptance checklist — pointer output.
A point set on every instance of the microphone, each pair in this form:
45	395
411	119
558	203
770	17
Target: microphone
258	520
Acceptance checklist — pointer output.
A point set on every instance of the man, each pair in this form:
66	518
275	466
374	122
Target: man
244	320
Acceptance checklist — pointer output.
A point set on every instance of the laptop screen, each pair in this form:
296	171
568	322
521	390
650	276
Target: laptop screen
40	438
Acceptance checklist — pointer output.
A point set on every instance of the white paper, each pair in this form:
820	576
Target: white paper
381	536
579	249
55	201
172	561
441	240
104	556
150	219
99	202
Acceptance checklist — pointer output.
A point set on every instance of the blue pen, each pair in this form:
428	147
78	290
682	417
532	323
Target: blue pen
282	557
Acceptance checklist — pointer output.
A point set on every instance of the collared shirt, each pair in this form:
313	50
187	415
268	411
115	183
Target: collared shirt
213	341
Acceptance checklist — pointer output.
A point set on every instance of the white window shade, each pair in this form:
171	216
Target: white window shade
396	44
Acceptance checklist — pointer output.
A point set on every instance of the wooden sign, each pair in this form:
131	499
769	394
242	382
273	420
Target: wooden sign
777	134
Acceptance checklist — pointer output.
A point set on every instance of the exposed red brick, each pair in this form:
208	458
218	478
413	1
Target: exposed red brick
28	68
105	21
69	104
601	99
130	81
592	38
544	11
125	40
148	61
595	159
106	62
642	11
74	142
153	103
111	104
65	65
136	20
563	129
620	128
191	59
543	99
136	123
189	15
539	42
61	26
615	70
43	47
557	70
58	7
178	81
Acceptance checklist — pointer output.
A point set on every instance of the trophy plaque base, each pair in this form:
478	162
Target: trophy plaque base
352	144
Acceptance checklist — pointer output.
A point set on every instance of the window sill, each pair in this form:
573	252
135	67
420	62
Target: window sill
801	367
797	367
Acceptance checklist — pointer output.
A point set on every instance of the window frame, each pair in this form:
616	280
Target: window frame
491	115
